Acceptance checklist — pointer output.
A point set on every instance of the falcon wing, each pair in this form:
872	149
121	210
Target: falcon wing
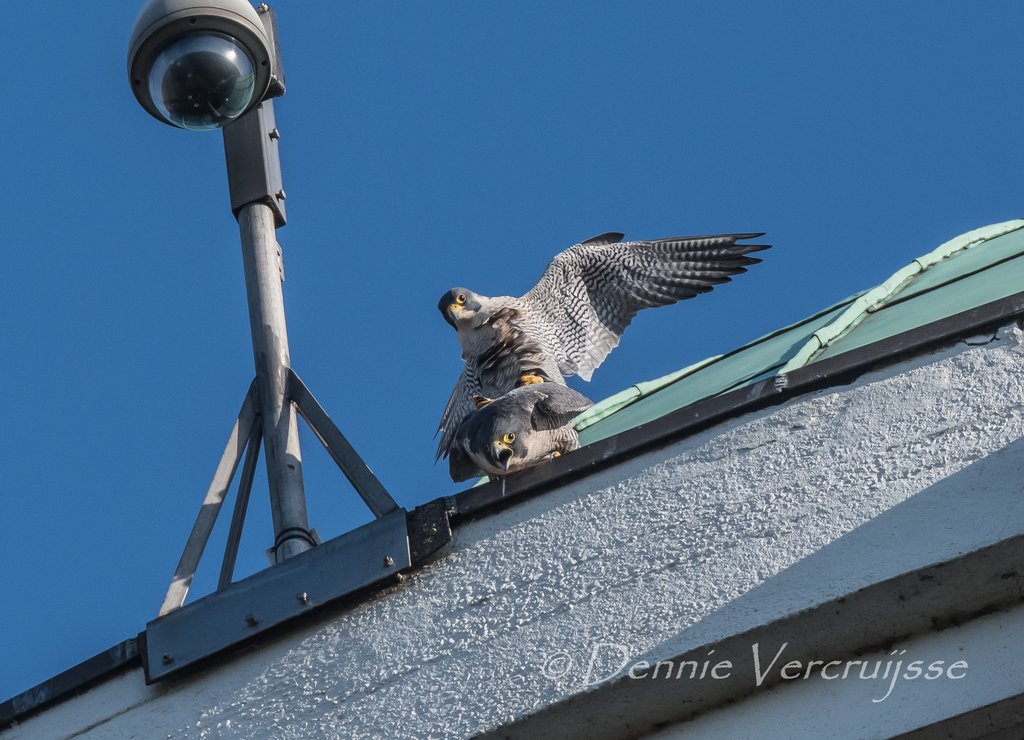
608	237
461	467
557	406
590	293
459	406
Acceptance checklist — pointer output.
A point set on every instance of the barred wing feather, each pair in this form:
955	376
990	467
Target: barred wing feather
459	406
590	293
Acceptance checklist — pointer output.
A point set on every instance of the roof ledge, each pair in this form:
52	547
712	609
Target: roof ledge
873	618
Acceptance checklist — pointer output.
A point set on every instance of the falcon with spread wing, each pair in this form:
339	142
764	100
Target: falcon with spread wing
574	316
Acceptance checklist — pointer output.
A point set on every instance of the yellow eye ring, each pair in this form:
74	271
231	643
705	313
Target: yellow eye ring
460	298
509	438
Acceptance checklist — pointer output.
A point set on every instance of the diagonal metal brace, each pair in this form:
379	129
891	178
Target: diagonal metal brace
344	455
252	453
186	570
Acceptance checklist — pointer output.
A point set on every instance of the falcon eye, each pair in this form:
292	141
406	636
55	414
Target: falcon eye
460	298
509	438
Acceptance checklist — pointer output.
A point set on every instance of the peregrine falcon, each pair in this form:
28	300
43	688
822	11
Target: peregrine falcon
526	425
573	317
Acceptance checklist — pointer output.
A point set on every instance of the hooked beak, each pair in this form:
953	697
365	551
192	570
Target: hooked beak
502	453
451	315
448	308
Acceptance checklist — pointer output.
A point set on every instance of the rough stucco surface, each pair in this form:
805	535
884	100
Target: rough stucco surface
739	525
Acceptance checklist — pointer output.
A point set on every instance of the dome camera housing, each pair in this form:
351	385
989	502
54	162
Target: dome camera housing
199	64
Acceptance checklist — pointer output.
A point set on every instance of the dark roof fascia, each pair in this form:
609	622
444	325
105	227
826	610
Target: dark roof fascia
121	657
429	532
429	539
843	368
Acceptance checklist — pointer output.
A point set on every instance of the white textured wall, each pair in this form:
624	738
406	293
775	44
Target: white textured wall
731	528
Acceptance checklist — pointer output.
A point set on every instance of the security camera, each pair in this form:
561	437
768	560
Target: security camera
200	64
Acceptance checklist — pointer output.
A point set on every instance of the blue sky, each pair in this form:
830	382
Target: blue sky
427	145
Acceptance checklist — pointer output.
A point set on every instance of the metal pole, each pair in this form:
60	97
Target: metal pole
261	258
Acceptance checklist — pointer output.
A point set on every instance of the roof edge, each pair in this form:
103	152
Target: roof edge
484	499
121	657
490	498
875	297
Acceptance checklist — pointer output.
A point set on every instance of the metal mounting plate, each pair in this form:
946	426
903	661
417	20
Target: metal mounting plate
254	162
255	604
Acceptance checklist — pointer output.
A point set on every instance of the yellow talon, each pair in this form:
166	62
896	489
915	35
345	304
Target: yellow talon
529	379
481	401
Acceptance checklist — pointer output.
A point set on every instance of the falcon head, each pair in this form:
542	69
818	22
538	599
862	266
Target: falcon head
503	451
459	304
525	426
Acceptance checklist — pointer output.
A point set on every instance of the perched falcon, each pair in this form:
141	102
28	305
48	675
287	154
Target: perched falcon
526	425
573	317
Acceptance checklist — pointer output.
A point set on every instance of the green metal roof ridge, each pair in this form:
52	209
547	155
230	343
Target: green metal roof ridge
614	403
624	398
871	300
